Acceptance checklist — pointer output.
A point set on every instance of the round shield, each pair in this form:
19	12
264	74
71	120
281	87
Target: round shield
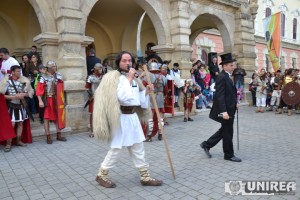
291	93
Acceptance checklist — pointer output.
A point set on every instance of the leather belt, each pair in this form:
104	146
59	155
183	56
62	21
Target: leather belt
128	109
14	106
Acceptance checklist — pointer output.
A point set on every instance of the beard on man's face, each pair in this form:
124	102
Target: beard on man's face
125	69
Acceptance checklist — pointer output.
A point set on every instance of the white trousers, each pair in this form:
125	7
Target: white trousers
136	152
261	102
275	98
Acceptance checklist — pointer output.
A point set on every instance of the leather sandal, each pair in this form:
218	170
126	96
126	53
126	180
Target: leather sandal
152	182
60	138
7	148
105	182
49	140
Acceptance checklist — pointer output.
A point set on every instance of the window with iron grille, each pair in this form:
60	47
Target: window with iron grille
294	28
282	24
267	62
294	63
268	12
282	62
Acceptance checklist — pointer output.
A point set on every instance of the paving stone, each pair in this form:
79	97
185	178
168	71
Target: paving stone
68	170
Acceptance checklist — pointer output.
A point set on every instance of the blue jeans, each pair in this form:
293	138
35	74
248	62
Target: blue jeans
200	101
239	84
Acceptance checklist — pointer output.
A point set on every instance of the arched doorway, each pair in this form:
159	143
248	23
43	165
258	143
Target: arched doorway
114	28
209	34
19	25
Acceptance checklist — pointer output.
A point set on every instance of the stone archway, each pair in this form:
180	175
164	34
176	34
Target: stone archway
18	30
45	15
123	34
208	21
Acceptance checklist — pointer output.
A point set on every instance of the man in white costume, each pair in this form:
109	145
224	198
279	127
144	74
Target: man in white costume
119	99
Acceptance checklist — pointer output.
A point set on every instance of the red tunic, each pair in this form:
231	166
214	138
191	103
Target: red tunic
91	104
188	100
50	110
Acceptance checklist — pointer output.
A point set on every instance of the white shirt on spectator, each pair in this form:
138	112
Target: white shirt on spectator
6	65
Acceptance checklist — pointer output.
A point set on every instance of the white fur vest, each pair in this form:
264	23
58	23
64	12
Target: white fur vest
22	79
106	113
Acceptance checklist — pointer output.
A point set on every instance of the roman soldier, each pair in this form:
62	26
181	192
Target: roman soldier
15	87
46	93
159	82
188	100
92	83
287	78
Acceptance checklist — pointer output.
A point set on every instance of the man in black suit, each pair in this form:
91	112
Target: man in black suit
223	110
91	60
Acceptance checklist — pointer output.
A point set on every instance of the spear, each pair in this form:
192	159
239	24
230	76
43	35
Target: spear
159	122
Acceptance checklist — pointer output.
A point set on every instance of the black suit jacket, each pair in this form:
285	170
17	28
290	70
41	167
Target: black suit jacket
90	63
225	98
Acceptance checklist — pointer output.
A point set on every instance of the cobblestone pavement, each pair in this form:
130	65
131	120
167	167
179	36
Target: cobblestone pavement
269	147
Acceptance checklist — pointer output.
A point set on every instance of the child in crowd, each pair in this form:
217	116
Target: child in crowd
200	98
188	99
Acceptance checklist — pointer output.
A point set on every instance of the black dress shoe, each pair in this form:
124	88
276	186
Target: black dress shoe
206	150
190	119
185	119
159	136
234	159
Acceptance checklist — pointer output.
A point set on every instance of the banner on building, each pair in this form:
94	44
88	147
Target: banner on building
272	27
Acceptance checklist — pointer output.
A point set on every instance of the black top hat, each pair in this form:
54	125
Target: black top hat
227	58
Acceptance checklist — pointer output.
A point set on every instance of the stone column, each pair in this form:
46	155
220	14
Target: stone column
49	43
244	41
180	34
71	62
164	51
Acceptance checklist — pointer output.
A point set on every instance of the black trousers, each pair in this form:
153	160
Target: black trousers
225	133
283	104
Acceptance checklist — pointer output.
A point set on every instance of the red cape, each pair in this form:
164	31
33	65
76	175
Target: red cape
7	131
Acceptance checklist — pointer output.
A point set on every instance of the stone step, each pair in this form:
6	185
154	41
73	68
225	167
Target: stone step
37	129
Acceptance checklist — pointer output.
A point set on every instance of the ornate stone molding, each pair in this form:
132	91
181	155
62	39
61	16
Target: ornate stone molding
165	48
47	38
232	3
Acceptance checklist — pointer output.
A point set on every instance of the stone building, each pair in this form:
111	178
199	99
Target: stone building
210	40
290	29
63	29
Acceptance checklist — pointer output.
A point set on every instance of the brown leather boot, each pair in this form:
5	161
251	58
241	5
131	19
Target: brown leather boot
49	140
7	147
103	180
279	111
289	112
20	143
60	138
146	180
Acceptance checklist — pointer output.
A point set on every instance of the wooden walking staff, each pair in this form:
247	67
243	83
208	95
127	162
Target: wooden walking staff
159	122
